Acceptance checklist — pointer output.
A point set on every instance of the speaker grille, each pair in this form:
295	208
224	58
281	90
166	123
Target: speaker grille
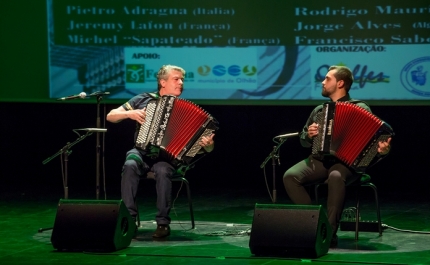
92	225
295	230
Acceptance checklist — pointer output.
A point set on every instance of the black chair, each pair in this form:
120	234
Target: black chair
178	176
363	181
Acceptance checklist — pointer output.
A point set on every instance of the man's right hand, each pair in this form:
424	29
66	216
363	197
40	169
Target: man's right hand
138	115
312	130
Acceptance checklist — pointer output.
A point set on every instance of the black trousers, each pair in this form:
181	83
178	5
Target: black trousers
313	171
135	167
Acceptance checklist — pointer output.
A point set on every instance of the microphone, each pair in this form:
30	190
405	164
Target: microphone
81	95
285	136
102	130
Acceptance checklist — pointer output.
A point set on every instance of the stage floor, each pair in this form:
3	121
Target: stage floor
221	234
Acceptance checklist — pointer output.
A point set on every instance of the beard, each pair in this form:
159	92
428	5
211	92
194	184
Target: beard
324	93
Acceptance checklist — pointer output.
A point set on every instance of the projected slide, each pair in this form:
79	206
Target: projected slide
240	52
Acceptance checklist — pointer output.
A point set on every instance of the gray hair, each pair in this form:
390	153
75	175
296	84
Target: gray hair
164	72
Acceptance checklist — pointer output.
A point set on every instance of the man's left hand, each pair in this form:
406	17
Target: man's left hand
384	147
207	142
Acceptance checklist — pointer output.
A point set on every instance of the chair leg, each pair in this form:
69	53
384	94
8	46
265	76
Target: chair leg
357	206
378	210
316	193
357	211
190	202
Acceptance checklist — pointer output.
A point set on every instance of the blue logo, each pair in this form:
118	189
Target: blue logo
419	77
234	70
414	76
219	70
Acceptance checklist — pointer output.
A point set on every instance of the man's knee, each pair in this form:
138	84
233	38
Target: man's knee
336	176
290	179
163	170
130	164
131	169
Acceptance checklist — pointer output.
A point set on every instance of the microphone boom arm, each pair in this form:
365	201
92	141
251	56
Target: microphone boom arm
275	155
67	147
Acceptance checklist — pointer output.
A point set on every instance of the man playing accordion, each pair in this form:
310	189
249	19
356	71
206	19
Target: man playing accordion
138	162
314	169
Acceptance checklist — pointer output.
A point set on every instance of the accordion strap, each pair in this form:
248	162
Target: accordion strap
153	95
355	101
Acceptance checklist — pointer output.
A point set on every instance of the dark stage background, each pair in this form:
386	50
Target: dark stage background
32	132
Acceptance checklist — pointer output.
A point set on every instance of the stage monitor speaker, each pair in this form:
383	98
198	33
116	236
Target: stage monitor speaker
290	230
92	225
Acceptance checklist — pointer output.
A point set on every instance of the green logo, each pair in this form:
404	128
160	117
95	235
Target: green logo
134	73
249	70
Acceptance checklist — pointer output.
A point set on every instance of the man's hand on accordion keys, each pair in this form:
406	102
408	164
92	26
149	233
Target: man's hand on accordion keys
384	147
138	115
312	130
207	142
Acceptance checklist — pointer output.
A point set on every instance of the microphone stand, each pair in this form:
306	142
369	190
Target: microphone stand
274	155
99	99
64	152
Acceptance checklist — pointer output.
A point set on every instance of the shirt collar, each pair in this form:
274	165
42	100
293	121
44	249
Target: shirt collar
345	98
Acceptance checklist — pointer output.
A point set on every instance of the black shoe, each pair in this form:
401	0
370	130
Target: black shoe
333	242
136	230
161	231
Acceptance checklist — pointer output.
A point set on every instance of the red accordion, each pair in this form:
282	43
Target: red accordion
174	127
350	133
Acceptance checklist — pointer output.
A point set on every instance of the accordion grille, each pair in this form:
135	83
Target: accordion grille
317	145
143	136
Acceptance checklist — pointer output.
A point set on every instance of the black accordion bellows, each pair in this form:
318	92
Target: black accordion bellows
175	126
350	133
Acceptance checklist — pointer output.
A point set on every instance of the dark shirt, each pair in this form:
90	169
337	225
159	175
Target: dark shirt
140	101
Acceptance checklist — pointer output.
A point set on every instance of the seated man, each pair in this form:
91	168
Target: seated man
336	86
139	162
